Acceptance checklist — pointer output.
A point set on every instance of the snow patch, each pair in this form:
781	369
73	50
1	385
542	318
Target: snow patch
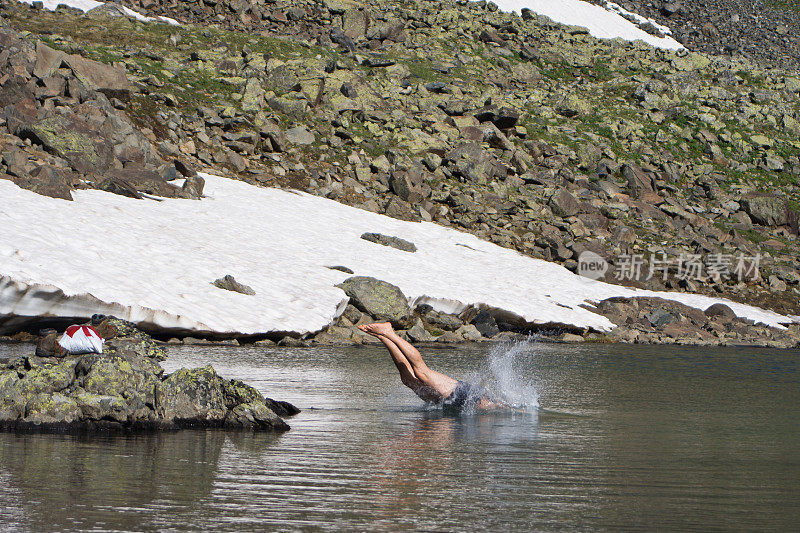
86	5
602	22
637	17
153	263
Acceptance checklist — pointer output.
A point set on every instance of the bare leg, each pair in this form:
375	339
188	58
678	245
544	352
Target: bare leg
403	366
438	386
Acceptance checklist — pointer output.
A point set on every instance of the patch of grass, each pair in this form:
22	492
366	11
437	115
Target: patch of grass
788	5
422	69
751	79
143	111
753	236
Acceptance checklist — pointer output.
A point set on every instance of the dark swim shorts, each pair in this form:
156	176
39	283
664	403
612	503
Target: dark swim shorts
466	395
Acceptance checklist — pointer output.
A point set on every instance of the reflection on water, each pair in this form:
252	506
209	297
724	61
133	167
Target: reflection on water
647	437
66	481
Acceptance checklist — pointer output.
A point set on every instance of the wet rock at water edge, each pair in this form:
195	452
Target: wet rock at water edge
485	323
125	388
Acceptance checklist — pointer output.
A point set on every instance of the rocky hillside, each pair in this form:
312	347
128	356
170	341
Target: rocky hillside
764	31
530	134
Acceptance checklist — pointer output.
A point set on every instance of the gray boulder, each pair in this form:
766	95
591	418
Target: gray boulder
659	317
417	333
443	321
766	210
229	283
388	240
193	187
638	181
485	323
109	80
46	180
190	395
107	10
282	80
564	204
299	135
720	310
380	299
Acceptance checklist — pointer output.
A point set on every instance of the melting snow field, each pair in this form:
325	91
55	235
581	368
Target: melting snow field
604	23
153	262
86	5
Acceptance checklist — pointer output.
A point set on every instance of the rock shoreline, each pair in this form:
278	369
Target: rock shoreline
125	389
641	320
638	320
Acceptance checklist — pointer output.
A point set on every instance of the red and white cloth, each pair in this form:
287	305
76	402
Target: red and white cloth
81	339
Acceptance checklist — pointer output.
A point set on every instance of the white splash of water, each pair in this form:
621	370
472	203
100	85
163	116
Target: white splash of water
507	378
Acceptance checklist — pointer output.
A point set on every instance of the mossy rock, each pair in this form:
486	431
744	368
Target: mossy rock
51	408
238	392
50	377
102	407
192	395
12	402
115	376
255	415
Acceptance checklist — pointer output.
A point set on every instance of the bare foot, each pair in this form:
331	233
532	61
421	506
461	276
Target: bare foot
377	329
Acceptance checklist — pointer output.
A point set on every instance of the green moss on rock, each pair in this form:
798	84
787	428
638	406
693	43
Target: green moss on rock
51	408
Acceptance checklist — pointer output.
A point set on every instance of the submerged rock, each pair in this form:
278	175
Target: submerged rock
125	388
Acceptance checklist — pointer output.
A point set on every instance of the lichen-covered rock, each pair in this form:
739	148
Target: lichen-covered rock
49	376
12	402
102	407
51	408
117	376
125	388
73	139
254	415
380	299
123	337
238	392
192	395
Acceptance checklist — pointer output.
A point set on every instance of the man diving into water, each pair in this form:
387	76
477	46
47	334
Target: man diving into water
428	384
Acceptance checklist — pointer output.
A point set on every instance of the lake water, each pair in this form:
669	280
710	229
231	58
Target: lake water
644	437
